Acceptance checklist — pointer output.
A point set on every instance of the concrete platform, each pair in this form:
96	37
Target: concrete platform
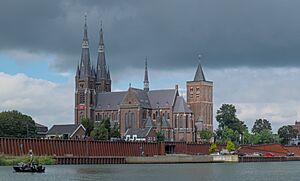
182	159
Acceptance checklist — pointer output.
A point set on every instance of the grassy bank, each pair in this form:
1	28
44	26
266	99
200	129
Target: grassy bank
13	160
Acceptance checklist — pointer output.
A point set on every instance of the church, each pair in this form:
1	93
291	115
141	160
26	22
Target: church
162	110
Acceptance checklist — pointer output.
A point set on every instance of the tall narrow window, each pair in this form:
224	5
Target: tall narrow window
132	120
181	121
186	121
176	119
126	121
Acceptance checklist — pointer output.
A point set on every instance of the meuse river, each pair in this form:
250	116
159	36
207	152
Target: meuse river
273	171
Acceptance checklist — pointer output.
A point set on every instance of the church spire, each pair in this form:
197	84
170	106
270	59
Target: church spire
108	73
199	76
146	81
85	65
101	63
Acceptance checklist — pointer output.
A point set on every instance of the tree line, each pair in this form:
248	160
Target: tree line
231	128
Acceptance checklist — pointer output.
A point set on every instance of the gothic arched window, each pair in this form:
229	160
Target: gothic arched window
126	121
181	122
132	120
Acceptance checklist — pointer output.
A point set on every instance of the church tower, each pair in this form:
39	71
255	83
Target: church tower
103	81
146	81
200	99
84	82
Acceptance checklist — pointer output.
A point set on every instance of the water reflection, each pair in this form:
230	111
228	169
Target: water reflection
171	172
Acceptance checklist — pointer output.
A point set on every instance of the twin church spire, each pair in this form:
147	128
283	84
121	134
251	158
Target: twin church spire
84	69
101	72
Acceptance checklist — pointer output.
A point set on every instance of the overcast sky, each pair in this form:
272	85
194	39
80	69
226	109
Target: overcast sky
250	51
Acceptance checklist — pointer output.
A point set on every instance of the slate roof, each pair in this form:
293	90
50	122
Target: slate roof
165	123
199	76
149	123
63	129
110	100
140	132
152	99
162	98
142	97
41	128
181	106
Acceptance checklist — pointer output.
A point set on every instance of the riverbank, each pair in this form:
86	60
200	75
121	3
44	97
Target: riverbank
157	159
13	160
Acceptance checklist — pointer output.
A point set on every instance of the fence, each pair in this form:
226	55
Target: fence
15	147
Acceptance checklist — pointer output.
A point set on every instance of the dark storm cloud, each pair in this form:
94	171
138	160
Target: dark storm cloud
232	33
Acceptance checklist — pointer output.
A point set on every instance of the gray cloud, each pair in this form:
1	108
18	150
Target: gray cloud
229	33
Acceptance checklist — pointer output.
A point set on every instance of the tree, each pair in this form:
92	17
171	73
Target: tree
160	136
266	136
16	124
230	146
206	134
227	134
286	133
213	148
226	117
88	125
102	130
115	131
260	125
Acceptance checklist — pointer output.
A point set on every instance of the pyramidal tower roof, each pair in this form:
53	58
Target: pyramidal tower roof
85	65
199	76
102	72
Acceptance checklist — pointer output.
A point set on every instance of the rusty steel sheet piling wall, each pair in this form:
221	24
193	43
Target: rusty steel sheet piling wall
52	147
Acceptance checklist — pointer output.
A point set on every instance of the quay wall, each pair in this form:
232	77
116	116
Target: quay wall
58	147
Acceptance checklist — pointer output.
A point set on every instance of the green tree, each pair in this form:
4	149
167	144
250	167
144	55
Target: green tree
226	117
286	133
206	135
230	146
115	131
227	134
160	136
16	124
261	125
213	148
102	130
107	125
266	136
88	125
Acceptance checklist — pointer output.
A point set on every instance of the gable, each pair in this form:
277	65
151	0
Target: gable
130	98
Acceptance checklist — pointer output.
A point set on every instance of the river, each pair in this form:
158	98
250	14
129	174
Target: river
264	171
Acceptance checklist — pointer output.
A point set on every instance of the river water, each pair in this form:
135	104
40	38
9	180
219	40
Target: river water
273	171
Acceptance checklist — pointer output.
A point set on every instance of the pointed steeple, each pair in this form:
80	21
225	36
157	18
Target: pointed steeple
101	62
77	71
146	81
199	76
85	65
108	73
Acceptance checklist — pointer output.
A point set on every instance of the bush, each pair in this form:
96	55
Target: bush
230	146
213	148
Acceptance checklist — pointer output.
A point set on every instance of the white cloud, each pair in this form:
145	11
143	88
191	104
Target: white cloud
47	102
